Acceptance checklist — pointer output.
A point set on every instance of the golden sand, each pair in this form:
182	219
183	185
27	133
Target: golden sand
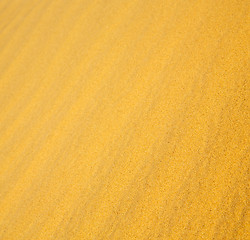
124	120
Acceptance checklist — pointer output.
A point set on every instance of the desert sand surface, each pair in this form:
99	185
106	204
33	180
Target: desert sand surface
124	120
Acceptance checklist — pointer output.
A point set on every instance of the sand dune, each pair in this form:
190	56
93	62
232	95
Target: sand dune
124	119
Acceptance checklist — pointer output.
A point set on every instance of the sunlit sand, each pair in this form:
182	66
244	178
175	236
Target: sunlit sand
124	119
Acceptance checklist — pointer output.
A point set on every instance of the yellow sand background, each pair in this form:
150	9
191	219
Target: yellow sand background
124	119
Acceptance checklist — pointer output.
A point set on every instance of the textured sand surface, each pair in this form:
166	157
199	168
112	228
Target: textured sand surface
124	120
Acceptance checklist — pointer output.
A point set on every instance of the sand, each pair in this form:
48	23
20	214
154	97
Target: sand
124	120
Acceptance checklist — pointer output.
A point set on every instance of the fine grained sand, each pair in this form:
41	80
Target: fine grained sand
124	119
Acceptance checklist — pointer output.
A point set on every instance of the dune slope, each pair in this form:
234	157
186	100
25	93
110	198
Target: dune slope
124	119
